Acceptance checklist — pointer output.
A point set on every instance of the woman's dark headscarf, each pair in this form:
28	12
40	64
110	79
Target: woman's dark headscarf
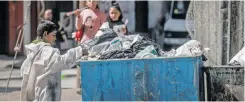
119	21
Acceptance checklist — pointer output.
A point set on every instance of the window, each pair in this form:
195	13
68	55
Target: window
180	9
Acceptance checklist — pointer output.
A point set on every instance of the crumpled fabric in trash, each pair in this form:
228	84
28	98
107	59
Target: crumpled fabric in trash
97	49
98	44
170	53
148	52
118	54
114	45
110	34
111	46
131	52
239	58
142	44
190	48
119	43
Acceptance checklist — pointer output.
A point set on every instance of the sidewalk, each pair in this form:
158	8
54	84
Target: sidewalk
7	61
16	74
68	79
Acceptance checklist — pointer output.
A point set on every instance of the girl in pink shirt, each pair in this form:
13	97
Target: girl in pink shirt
89	29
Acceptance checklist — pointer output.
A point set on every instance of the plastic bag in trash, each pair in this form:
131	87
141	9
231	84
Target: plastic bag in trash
128	41
118	43
99	47
118	54
170	53
148	52
239	58
114	45
190	48
136	38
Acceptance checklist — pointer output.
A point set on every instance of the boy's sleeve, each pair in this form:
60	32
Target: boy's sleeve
60	62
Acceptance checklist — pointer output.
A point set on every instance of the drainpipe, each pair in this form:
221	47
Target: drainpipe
27	30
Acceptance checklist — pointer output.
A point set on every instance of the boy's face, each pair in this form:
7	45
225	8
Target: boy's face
51	37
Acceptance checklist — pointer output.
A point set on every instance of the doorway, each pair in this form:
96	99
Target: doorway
3	26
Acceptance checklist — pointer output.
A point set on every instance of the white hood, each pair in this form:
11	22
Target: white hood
31	50
34	48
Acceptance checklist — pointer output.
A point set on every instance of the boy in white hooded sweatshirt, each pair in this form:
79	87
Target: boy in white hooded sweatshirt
42	68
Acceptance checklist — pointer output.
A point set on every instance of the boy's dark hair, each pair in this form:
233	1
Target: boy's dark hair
45	25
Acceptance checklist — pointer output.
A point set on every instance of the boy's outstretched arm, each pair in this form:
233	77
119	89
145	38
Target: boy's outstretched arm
59	62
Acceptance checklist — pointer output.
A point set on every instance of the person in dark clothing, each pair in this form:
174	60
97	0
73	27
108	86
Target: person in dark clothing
114	21
61	33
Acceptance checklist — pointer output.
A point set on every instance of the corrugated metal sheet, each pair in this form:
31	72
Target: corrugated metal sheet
160	79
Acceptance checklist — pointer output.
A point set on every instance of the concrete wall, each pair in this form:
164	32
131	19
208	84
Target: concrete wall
208	28
157	9
27	29
217	25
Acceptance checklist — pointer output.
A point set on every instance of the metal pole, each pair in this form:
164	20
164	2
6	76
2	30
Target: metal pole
243	35
18	44
219	51
229	32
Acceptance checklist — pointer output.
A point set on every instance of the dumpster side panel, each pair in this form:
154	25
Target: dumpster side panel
159	79
174	80
109	81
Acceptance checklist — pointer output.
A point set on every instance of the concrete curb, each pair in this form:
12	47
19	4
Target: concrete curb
12	78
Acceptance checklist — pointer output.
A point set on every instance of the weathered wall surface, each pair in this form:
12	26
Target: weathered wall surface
217	25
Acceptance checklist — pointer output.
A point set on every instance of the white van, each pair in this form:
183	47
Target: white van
175	32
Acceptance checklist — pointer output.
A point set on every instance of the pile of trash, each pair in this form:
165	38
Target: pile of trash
239	58
112	46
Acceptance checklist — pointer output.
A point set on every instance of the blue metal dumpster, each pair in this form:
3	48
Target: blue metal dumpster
158	79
